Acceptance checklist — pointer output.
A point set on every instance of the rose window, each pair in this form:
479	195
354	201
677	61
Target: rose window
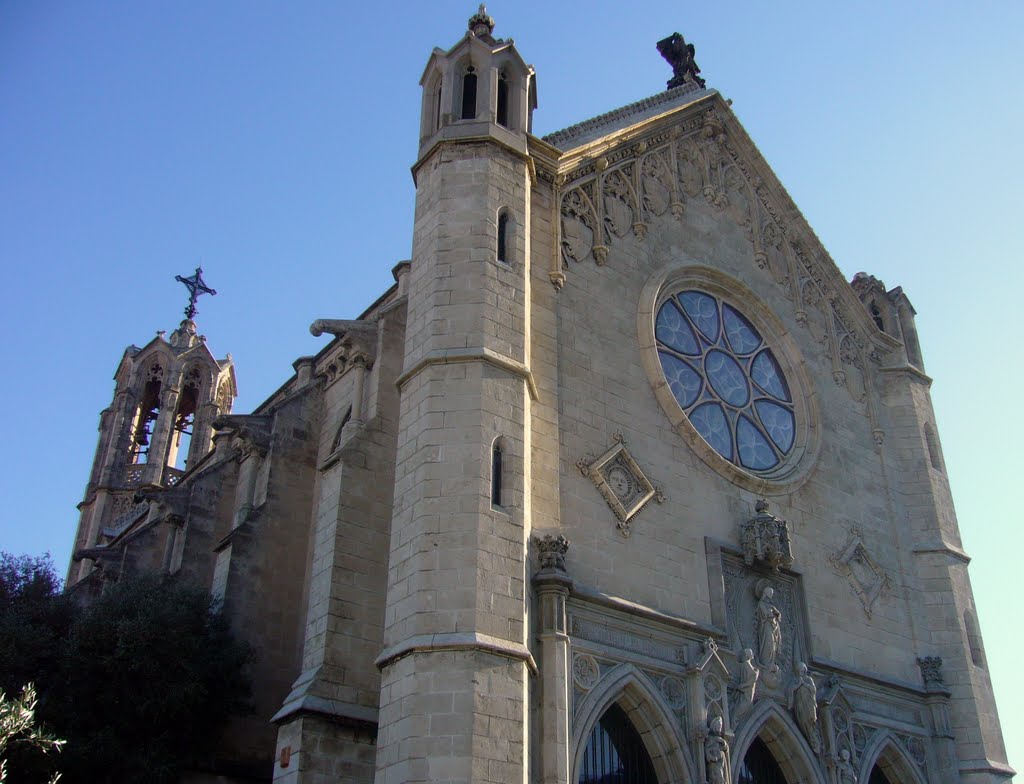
726	380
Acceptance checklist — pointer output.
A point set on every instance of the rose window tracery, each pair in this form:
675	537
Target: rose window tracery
726	379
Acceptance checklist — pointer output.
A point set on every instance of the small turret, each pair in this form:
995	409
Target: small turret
481	87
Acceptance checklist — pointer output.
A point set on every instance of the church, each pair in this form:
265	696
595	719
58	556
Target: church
621	480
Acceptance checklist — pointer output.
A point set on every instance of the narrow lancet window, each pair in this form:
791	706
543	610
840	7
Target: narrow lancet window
437	107
496	473
469	94
502	113
934	457
503	236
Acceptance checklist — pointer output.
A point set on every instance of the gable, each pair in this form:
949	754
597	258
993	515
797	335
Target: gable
620	176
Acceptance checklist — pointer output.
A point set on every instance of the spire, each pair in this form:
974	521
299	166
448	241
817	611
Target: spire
196	288
480	24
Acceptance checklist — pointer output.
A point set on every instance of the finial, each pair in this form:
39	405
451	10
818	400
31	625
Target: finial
196	288
480	23
679	55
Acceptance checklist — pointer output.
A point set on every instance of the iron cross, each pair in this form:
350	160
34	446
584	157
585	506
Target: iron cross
196	288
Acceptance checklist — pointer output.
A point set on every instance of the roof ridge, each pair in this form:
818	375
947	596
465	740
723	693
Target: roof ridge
653	101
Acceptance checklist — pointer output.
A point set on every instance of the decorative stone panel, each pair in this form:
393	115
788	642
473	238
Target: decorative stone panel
867	579
621	481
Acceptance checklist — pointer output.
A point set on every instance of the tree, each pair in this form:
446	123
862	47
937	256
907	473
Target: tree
161	674
34	619
18	727
140	682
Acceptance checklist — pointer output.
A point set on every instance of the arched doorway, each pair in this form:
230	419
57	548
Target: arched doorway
615	752
759	766
878	776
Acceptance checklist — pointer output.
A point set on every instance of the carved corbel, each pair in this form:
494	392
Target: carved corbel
251	433
358	337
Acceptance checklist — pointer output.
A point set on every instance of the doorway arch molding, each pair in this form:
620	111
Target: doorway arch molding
886	751
783	738
637	695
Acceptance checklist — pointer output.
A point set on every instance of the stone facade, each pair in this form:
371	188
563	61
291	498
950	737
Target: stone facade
484	513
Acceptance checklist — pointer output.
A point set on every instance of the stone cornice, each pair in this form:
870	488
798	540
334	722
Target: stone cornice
667	100
457	641
486	355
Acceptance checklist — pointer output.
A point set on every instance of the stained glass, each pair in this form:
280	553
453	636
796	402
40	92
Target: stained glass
704	312
674	332
684	381
727	378
766	374
710	423
742	337
729	385
755	451
778	423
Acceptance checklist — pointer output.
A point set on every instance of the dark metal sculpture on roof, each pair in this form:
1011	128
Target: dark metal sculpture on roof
679	55
196	288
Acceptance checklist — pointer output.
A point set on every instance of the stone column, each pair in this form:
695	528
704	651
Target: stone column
161	438
553	585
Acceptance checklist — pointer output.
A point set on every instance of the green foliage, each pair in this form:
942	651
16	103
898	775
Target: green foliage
18	727
34	618
140	682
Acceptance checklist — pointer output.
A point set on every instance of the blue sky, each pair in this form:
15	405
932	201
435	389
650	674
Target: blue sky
271	143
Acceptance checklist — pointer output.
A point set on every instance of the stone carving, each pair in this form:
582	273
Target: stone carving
803	701
765	538
744	608
716	753
674	691
585	671
679	55
619	202
746	685
866	578
551	551
861	734
657	184
769	627
915	748
578	225
620	480
844	769
931	672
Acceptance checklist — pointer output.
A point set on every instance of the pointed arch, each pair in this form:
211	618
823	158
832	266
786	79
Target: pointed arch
885	751
650	715
776	728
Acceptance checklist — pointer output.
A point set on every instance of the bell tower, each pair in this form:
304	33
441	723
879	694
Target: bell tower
455	640
159	424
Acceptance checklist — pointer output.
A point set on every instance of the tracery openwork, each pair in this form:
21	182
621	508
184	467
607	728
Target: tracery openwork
726	379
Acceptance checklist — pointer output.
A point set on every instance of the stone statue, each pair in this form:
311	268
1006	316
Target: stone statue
803	701
769	629
747	684
679	55
845	772
716	753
